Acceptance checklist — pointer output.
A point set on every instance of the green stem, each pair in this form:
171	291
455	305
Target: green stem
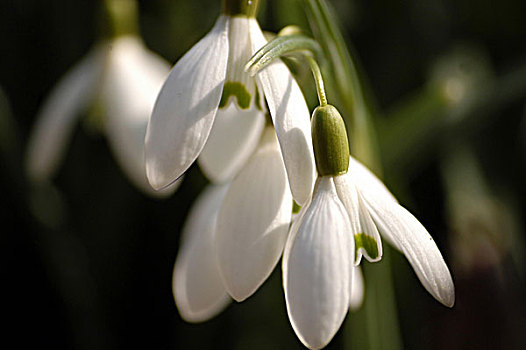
247	8
122	16
348	89
318	78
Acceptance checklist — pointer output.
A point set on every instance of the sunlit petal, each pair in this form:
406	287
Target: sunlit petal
291	118
233	138
368	184
317	270
254	220
59	114
398	225
186	107
198	290
132	81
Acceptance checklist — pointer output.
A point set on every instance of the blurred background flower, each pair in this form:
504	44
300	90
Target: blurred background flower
88	263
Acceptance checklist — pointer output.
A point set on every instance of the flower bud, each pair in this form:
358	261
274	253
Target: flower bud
329	137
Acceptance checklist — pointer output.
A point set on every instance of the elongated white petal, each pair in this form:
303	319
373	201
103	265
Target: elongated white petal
132	81
197	287
233	138
254	220
291	118
398	225
317	268
369	186
366	236
186	107
59	114
400	228
367	183
357	289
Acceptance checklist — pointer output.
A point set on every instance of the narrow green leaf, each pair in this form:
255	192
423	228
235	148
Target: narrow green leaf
279	46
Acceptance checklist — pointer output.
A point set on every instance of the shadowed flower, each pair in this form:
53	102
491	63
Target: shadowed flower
119	78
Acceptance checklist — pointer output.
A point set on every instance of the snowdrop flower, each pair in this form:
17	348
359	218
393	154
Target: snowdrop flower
122	78
337	227
211	109
234	235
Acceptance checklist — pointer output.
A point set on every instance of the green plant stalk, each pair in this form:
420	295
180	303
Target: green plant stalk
348	90
318	78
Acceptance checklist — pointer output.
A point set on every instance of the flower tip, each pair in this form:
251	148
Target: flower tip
159	183
314	343
249	69
237	293
238	298
449	299
444	292
157	186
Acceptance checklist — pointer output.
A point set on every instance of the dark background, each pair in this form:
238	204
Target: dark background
87	263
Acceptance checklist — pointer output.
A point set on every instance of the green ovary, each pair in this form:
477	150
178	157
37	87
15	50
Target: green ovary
239	91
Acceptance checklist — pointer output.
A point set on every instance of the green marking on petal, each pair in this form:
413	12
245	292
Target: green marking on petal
295	207
368	243
239	91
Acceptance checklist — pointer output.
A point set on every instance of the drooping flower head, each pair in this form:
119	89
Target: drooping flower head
210	108
350	207
119	76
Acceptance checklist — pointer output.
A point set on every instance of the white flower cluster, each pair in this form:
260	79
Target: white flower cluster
240	226
209	109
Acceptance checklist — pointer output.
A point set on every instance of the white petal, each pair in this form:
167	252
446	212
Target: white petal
291	118
317	268
400	226
240	51
254	220
186	107
357	289
370	187
198	290
59	114
233	138
363	228
134	76
367	182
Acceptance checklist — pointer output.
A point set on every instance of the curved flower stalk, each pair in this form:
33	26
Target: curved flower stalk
211	109
349	210
122	77
235	235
